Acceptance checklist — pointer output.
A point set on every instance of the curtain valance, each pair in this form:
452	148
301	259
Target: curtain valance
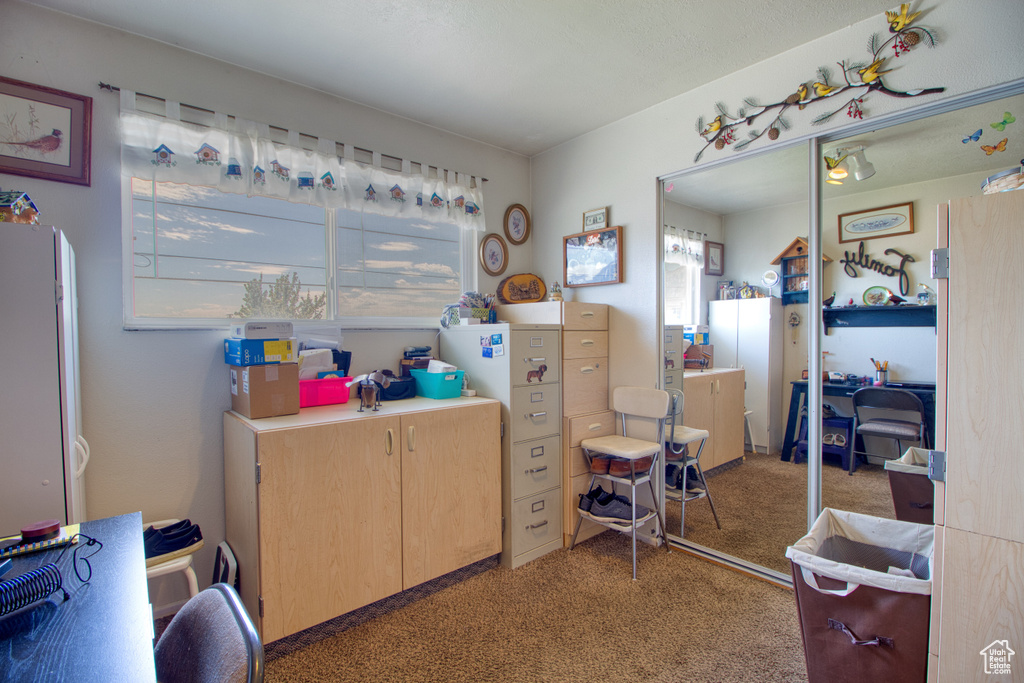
684	247
239	156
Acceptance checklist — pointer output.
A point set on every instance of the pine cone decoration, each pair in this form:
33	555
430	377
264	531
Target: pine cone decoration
773	134
720	143
911	38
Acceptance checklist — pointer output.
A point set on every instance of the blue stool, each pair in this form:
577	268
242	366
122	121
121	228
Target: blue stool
841	426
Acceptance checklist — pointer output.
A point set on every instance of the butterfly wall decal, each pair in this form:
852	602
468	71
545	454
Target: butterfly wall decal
1007	119
973	137
998	147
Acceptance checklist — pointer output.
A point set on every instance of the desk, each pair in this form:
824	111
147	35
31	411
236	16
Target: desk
103	632
923	390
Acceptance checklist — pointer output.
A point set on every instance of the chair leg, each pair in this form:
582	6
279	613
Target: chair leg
707	492
579	519
193	583
657	511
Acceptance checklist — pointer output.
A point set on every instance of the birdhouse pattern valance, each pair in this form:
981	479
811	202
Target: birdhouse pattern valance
239	156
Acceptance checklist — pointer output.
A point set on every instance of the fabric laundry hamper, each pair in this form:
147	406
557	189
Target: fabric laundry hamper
913	493
863	594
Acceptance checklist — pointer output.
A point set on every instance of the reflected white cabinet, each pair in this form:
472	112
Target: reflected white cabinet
747	333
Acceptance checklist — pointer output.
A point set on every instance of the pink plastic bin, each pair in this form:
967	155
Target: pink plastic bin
323	392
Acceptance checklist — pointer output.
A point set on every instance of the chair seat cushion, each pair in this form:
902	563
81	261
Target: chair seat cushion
893	429
621	446
684	435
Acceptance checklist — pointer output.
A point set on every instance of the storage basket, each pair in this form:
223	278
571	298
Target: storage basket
438	384
913	493
322	392
863	595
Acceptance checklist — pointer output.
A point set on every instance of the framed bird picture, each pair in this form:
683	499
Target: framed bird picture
44	133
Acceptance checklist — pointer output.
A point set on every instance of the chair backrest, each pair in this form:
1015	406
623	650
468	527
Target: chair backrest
885	398
643	412
211	639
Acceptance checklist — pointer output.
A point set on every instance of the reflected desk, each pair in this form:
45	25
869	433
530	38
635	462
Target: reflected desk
923	390
103	632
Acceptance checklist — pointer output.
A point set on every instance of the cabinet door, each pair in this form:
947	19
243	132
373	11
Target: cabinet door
724	329
451	489
330	521
728	429
699	412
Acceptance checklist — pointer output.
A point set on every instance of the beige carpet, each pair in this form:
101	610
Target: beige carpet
762	505
569	616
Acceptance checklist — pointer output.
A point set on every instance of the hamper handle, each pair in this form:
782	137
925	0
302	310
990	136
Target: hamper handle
877	640
812	582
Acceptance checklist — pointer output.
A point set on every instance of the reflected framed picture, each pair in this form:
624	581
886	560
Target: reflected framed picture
493	254
714	258
595	219
885	221
44	133
592	258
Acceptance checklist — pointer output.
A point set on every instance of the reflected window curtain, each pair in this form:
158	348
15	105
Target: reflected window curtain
684	265
242	157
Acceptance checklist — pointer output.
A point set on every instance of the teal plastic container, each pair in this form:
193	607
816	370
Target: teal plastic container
438	384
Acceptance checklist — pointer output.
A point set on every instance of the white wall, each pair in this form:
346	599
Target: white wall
152	401
618	165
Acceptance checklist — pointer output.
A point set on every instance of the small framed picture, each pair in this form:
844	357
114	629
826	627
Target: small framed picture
517	224
595	219
714	258
493	254
885	221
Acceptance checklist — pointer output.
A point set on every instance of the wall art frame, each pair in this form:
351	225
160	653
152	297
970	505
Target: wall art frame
871	224
493	254
44	132
517	224
714	258
592	257
596	219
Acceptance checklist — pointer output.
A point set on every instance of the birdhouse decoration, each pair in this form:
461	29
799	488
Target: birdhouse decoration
795	271
16	207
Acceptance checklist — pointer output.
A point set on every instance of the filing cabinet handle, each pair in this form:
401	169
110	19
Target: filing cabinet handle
536	470
541	414
594	427
410	438
535	360
389	441
537	525
586	342
669	352
586	370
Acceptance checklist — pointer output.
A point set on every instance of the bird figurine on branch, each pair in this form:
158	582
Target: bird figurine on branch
828	302
896	300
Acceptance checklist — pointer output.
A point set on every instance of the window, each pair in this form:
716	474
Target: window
684	265
201	257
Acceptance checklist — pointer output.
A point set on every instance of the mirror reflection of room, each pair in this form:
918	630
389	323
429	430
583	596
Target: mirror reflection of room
878	227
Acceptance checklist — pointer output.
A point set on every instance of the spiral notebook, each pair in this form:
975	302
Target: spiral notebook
67	533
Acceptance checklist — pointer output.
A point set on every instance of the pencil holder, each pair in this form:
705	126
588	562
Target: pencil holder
881	377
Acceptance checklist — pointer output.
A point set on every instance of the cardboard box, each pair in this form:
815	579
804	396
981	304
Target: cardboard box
265	390
407	364
260	351
695	334
262	330
699	356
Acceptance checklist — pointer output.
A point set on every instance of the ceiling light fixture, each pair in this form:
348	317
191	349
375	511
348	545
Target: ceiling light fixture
843	161
835	169
861	168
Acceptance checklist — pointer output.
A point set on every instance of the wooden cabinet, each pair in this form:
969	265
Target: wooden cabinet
526	377
329	510
714	401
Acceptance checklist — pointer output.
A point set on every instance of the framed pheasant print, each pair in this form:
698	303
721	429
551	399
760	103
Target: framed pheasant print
44	133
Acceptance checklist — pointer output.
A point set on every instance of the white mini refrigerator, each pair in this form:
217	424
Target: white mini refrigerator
42	452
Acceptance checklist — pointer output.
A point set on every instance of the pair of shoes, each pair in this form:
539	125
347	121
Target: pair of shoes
672	474
161	545
828	439
619	467
834	440
693	484
166	530
587	499
613	508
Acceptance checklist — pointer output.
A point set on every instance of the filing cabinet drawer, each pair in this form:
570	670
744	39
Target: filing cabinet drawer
536	357
584	344
674	378
582	316
535	412
585	427
536	466
536	520
586	385
674	348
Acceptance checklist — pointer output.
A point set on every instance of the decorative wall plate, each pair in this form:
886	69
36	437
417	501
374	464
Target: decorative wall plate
523	288
876	296
517	224
493	254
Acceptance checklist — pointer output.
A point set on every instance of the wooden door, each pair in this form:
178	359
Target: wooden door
981	572
330	521
728	417
451	489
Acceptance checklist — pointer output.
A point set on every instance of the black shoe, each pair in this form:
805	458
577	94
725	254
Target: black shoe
177	544
165	530
672	473
587	500
694	485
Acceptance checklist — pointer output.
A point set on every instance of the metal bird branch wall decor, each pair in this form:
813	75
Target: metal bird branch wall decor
859	79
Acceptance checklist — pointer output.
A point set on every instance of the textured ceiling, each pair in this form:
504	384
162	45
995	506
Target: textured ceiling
522	75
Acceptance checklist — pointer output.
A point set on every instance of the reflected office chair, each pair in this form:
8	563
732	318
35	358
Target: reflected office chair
174	564
211	639
634	452
869	407
679	436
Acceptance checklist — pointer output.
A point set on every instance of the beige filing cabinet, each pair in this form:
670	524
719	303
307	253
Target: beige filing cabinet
329	510
584	392
714	401
674	349
521	366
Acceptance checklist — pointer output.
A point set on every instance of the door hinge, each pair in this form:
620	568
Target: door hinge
502	525
502	435
937	465
259	473
261	606
940	264
58	292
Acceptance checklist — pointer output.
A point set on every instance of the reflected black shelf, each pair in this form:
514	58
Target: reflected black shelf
905	315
